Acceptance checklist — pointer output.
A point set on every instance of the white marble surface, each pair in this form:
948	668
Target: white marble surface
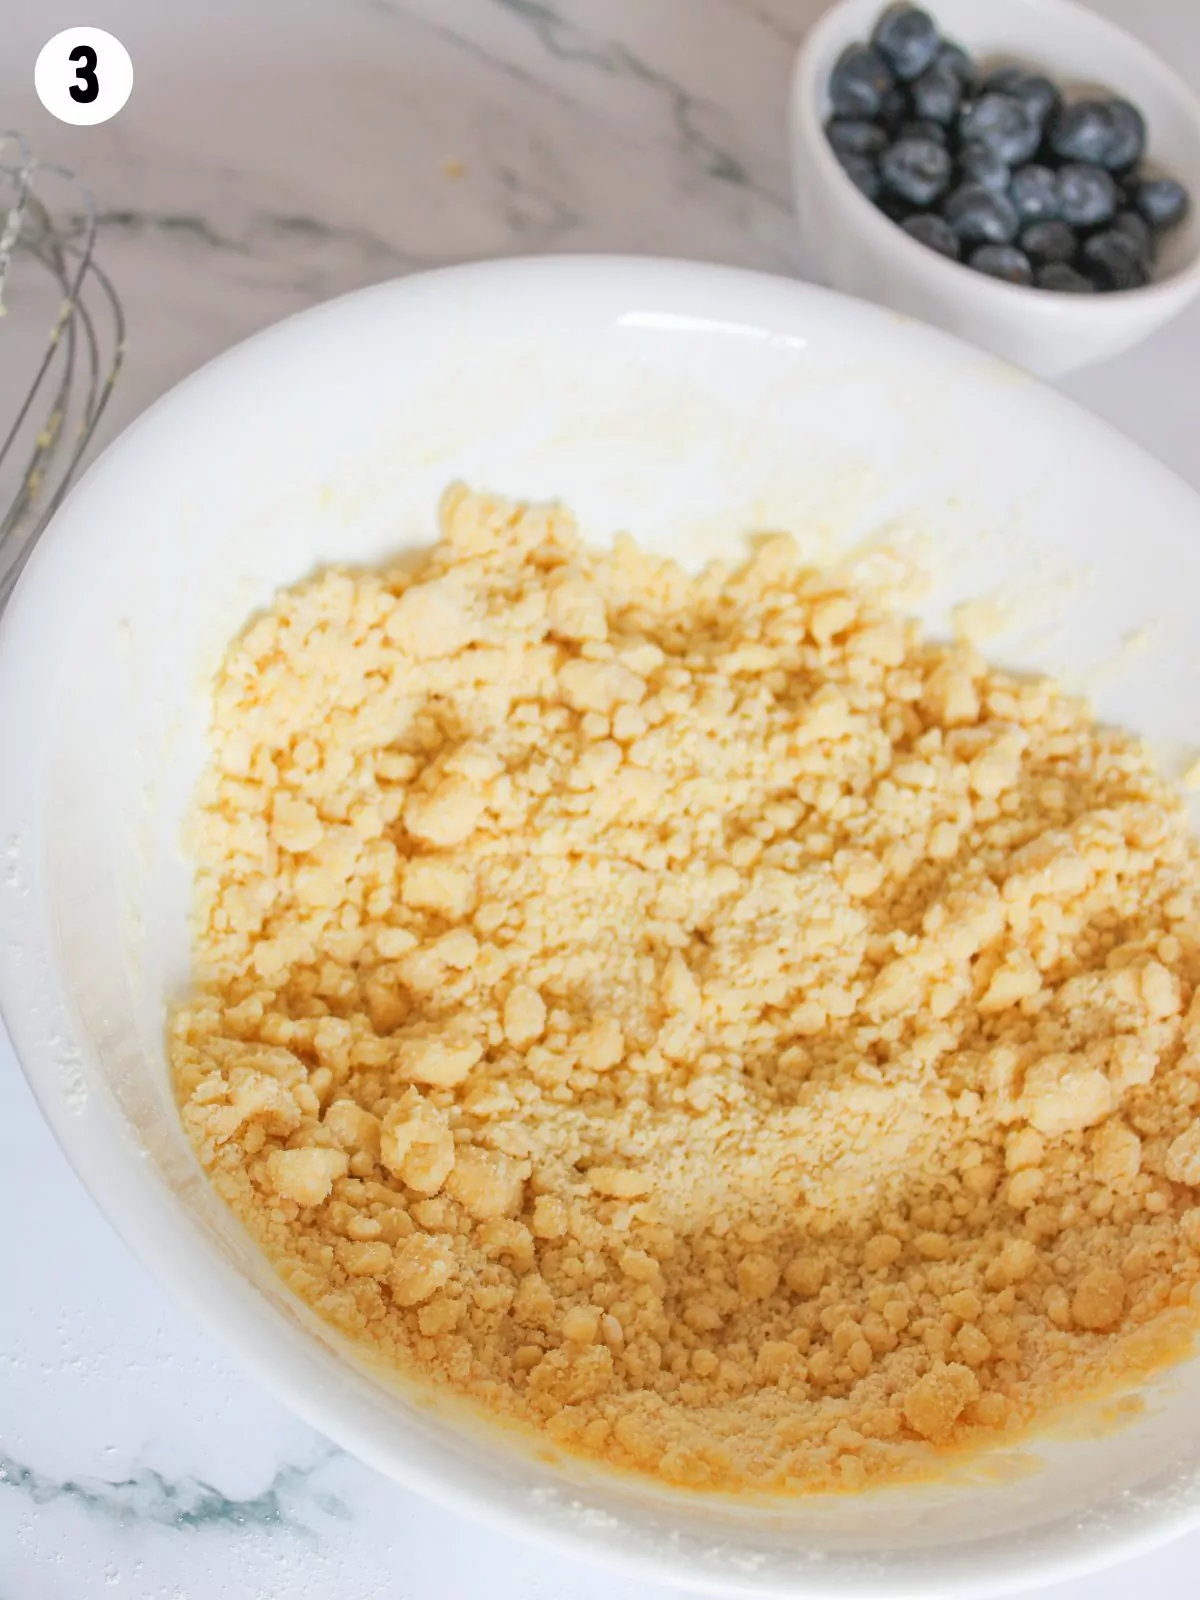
272	155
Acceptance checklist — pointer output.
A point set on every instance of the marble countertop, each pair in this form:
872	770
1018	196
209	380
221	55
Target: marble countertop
270	156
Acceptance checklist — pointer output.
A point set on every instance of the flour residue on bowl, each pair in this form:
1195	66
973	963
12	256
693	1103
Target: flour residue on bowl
694	1016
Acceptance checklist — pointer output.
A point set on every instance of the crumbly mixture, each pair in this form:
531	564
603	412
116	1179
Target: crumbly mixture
694	1015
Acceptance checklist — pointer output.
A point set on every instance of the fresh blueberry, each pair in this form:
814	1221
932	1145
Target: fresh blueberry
937	93
921	128
1082	132
1003	124
917	170
979	164
1049	241
1065	280
893	207
859	82
895	110
1113	261
1034	192
980	215
935	232
1036	93
862	172
1040	97
1162	202
908	37
1127	136
1005	80
850	136
1002	261
1138	230
1088	194
956	59
1127	187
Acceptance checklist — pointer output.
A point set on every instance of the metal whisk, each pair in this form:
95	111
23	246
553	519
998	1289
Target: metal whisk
62	336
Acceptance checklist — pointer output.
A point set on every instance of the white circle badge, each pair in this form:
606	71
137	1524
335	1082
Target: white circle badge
83	76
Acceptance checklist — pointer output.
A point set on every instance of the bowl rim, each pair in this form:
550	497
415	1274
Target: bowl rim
806	125
202	1281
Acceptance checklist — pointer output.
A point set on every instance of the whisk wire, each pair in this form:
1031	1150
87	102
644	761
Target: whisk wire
57	415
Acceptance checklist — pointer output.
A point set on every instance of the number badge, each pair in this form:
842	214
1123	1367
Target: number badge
83	76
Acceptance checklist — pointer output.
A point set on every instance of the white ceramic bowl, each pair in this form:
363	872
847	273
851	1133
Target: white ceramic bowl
687	404
856	248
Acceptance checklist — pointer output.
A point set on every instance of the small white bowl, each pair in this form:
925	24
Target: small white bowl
860	250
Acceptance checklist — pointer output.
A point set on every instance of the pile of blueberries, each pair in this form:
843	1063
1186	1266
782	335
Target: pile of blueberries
997	169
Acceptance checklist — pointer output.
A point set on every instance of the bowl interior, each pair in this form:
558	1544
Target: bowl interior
1081	51
686	404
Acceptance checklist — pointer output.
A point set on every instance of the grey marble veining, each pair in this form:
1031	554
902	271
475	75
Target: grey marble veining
180	1503
370	137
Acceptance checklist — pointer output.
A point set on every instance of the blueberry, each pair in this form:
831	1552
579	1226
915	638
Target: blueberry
1137	229
935	232
862	172
1112	261
981	215
1058	276
1127	136
908	37
1034	192
1088	194
1162	202
921	128
859	82
1040	97
1082	132
937	93
893	207
895	110
1127	187
1002	261
1049	241
852	137
978	164
955	59
1003	124
918	170
1005	80
1036	93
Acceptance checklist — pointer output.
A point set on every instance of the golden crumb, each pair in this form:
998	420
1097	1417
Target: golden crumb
693	1016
